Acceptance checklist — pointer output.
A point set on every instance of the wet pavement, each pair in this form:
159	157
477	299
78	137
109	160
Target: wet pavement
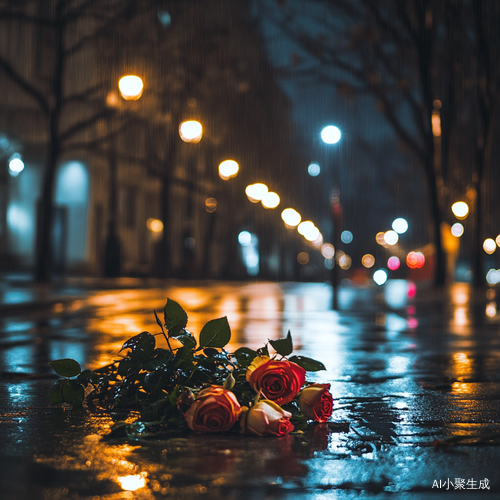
407	366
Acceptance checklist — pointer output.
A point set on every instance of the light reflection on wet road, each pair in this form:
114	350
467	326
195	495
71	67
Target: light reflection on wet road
378	349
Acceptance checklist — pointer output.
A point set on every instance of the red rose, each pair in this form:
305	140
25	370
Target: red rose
215	410
266	418
279	381
316	402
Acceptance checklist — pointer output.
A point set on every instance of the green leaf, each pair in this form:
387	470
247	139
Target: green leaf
142	346
245	356
175	317
160	359
310	365
187	340
66	367
263	351
216	333
56	394
229	382
283	347
72	393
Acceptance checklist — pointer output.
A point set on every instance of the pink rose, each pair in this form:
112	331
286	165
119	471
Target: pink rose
266	418
279	381
316	402
214	410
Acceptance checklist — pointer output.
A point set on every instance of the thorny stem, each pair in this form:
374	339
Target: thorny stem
163	331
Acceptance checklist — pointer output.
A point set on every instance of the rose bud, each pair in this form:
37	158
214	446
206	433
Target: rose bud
279	381
266	418
316	402
214	410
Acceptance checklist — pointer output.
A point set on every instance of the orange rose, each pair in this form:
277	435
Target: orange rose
266	418
279	381
316	402
215	410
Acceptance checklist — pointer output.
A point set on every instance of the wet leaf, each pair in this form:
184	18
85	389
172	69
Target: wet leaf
310	365
160	359
283	347
72	393
245	356
229	382
175	317
216	333
56	396
142	346
66	367
187	340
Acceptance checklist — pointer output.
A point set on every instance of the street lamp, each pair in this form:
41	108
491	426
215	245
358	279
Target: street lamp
331	135
131	88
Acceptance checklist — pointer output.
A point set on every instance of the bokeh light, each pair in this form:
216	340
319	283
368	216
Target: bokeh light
489	246
393	263
291	217
210	205
400	225
380	238
391	237
305	226
493	276
255	192
497	240
460	209
154	225
311	233
415	260
191	131
491	309
131	87
346	236
331	134
244	238
313	169
228	169
16	165
380	276
457	229
328	251
303	258
345	262
368	260
132	482
270	200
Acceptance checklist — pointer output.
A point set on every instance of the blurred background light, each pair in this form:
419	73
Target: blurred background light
329	264
270	200
497	240
400	225
493	276
131	87
328	251
331	134
368	260
457	229
345	262
380	238
210	205
16	165
311	233
303	258
154	225
305	226
380	276
313	169
415	260
318	241
291	217
346	236
255	192
391	237
244	238
491	309
460	209
393	263
228	169
489	246
191	131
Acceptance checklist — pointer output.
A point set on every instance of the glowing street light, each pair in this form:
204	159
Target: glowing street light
131	87
270	200
460	209
255	192
331	134
291	217
228	169
191	131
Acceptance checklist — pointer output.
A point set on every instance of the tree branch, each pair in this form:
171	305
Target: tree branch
23	84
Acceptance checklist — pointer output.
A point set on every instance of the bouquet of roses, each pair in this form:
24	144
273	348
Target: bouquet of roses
198	385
